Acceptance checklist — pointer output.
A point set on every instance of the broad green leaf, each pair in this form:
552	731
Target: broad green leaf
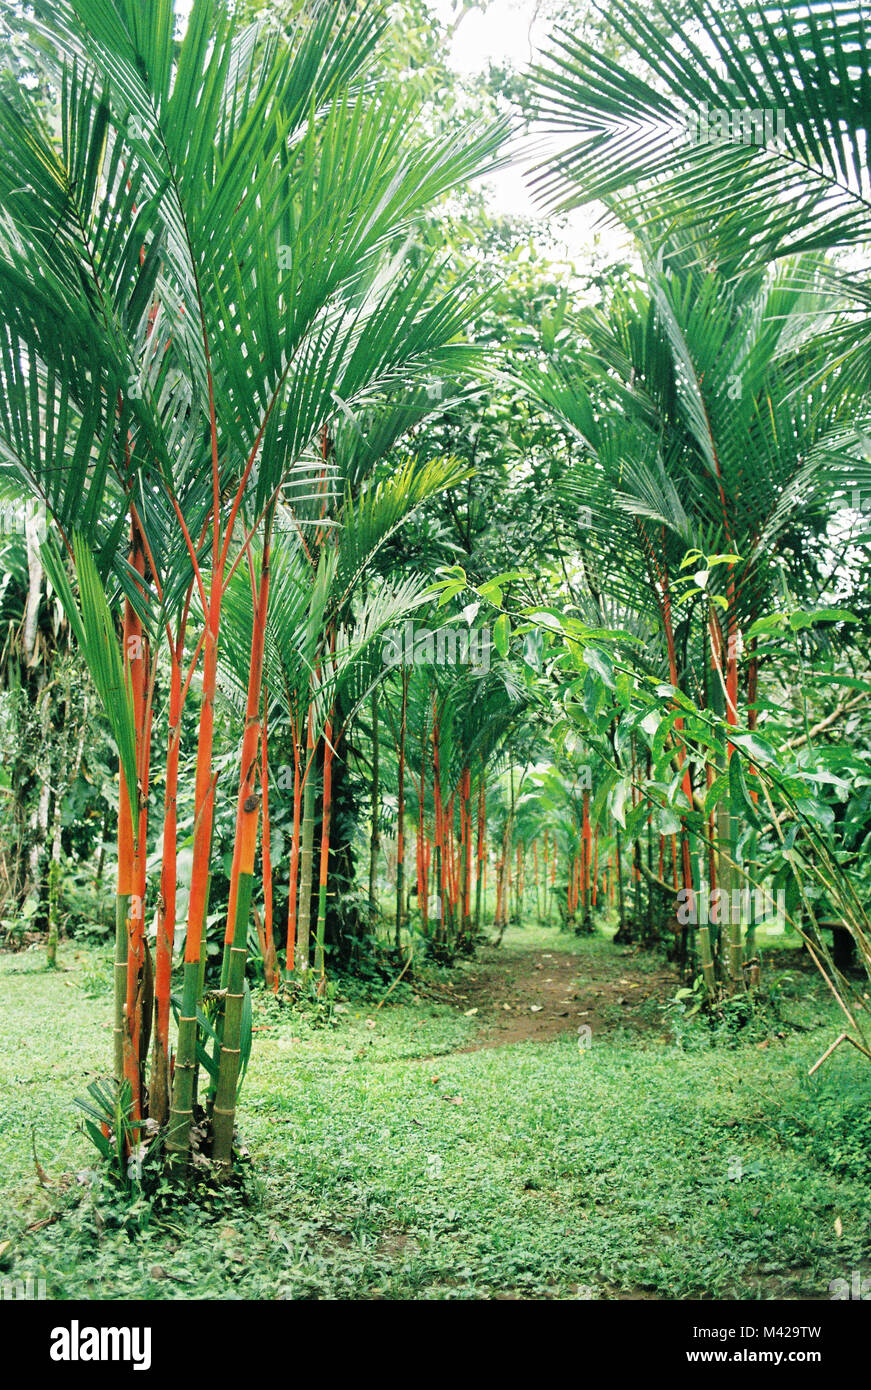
756	748
502	634
601	664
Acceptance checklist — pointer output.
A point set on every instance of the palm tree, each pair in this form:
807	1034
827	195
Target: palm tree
749	196
195	280
701	464
735	145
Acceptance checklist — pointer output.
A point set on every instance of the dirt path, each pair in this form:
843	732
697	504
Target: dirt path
521	996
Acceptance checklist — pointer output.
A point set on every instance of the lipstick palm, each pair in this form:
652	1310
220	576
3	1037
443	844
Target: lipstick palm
697	444
189	285
310	674
753	199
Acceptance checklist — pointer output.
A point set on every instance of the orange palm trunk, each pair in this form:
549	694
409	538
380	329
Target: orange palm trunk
269	963
587	855
422	845
247	799
480	847
204	782
136	656
439	837
467	845
159	1088
595	864
294	848
324	865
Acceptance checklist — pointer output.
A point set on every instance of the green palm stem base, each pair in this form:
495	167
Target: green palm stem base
224	1108
158	1085
303	916
440	888
326	821
621	906
53	908
320	934
185	1075
201	970
400	891
703	935
178	1139
122	903
736	920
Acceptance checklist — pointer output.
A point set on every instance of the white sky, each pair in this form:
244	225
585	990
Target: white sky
513	32
500	33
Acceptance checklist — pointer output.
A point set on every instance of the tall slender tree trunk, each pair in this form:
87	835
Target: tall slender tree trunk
270	962
482	831
439	822
130	951
166	909
595	865
375	804
181	1113
54	868
303	916
400	824
241	885
290	953
618	875
423	843
587	851
326	818
466	823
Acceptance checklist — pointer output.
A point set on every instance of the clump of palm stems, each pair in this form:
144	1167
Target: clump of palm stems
198	279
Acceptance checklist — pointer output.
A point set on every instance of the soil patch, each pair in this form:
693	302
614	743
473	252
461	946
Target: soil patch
523	996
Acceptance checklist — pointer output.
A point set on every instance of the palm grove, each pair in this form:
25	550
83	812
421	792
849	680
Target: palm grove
378	582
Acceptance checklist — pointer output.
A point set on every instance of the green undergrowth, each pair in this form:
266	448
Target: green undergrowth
386	1163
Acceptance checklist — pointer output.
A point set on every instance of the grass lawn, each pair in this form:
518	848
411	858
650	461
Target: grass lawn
386	1162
